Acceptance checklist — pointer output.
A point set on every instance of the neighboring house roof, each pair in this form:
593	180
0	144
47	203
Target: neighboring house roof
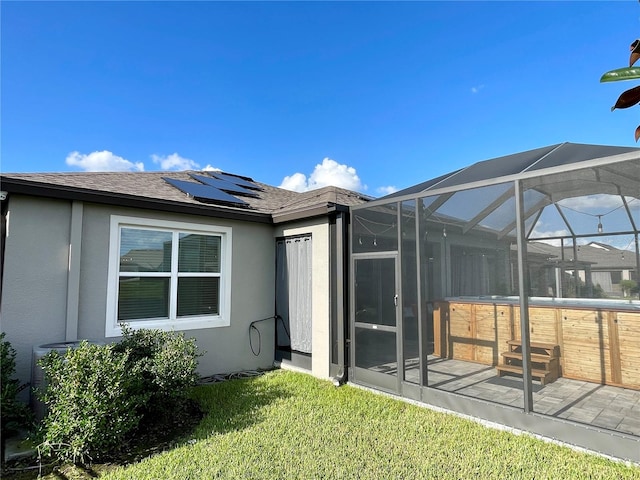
150	190
599	255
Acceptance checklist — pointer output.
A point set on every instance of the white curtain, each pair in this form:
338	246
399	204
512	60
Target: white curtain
293	292
470	274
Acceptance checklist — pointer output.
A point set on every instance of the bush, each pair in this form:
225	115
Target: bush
90	404
98	394
165	365
629	287
15	414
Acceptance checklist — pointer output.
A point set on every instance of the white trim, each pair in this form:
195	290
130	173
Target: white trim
223	319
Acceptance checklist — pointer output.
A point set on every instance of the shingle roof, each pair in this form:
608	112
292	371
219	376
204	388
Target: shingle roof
149	188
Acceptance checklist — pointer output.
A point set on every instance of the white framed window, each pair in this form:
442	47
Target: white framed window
167	275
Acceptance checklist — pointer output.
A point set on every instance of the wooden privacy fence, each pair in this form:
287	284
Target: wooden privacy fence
595	344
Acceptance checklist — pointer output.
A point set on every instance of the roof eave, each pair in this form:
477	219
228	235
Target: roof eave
26	187
313	211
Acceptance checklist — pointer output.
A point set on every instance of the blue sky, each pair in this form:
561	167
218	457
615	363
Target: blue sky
367	95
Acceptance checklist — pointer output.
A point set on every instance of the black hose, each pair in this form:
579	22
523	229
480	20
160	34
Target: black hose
252	326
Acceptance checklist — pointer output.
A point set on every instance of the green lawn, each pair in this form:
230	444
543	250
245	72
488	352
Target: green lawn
288	425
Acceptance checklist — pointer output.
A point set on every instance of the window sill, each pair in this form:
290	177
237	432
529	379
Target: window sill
193	323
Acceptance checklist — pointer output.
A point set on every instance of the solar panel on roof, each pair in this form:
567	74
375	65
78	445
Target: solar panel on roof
223	185
239	181
205	193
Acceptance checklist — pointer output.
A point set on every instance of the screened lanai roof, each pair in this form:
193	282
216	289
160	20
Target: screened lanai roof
563	154
569	191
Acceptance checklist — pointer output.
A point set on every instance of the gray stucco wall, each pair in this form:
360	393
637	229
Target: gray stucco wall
35	283
34	287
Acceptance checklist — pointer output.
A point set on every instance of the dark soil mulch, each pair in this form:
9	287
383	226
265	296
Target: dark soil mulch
155	434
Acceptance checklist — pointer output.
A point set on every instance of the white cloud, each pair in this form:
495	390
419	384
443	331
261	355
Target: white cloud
599	201
103	161
209	168
388	190
296	182
556	242
174	162
475	90
329	172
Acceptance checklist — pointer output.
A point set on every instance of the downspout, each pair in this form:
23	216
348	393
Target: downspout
341	296
4	211
73	274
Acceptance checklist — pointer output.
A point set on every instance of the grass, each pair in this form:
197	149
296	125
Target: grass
288	425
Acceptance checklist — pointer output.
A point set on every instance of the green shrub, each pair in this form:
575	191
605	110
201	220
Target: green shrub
164	363
629	287
15	414
91	408
97	395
